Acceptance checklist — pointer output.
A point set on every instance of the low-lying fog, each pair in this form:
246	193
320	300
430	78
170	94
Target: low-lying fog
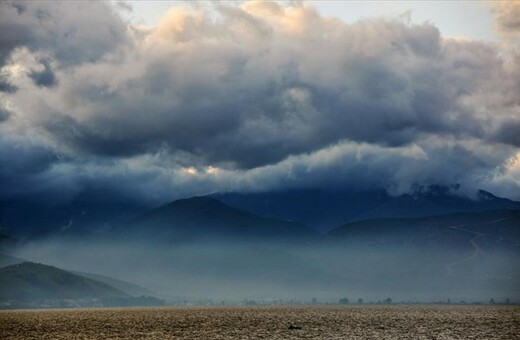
235	271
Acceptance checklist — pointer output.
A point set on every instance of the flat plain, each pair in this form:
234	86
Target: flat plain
300	322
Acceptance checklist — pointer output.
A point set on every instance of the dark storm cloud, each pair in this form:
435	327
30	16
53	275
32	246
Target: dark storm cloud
22	163
74	31
44	78
4	115
509	133
262	97
227	115
5	85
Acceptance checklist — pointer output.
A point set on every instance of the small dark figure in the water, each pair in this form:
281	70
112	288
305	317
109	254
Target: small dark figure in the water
291	326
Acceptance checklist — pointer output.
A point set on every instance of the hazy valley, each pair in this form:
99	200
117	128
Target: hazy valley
202	251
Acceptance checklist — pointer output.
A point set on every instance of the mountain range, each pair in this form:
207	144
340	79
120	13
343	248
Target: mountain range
492	229
239	244
325	210
296	216
37	218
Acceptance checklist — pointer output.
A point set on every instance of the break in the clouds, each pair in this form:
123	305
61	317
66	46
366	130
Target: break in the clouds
257	96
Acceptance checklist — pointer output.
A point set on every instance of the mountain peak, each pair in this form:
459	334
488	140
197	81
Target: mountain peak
483	195
196	200
202	205
207	217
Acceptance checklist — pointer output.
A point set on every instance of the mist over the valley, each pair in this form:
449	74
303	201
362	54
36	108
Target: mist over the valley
269	272
422	263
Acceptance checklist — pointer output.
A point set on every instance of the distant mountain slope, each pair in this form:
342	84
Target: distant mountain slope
204	218
7	260
497	229
326	209
32	285
27	219
438	202
127	287
31	281
320	209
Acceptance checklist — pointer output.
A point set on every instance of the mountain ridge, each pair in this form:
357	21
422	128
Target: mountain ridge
206	217
35	285
29	280
495	228
327	209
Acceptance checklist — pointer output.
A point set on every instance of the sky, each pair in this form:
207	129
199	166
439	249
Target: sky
469	19
152	101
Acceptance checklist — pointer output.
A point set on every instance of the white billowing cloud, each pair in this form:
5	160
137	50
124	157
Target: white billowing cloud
260	96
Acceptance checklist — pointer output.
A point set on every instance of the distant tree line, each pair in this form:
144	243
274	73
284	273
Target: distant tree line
388	301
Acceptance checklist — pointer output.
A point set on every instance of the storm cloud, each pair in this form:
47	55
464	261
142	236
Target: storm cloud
257	96
73	32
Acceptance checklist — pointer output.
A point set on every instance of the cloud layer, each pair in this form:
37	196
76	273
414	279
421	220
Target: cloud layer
259	96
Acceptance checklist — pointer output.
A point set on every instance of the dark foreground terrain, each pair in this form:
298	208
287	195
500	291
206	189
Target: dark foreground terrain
352	322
